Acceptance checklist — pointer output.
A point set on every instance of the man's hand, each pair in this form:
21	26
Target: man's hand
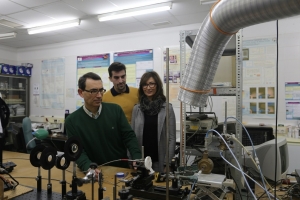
134	165
97	171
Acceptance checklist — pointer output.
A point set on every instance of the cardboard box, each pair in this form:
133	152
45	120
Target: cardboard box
28	71
21	70
13	96
27	65
12	69
4	69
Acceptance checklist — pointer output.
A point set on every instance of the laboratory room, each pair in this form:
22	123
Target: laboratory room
152	99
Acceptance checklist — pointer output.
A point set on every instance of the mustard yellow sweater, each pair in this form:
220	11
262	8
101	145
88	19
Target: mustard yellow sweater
126	100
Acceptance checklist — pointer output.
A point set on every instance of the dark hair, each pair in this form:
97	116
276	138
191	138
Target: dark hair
116	66
82	79
159	85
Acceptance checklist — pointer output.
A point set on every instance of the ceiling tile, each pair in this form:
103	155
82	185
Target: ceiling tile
8	7
191	18
105	31
188	7
22	31
121	4
32	13
173	22
13	45
5	29
157	15
59	38
33	3
117	22
91	7
71	30
39	41
15	21
83	36
60	11
91	23
33	18
132	27
76	33
25	37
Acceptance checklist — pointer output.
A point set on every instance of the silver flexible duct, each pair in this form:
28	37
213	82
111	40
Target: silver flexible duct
228	16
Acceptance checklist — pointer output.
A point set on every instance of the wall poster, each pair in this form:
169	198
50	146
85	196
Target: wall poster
93	63
259	78
174	72
292	97
137	63
52	84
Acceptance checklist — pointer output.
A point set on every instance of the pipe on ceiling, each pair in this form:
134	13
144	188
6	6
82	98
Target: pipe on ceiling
225	19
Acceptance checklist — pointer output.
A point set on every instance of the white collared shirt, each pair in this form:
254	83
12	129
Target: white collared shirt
94	116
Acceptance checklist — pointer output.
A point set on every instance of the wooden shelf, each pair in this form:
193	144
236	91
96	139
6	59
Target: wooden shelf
17	116
14	102
11	89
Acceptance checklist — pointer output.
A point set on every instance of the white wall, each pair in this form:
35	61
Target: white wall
289	60
8	55
156	39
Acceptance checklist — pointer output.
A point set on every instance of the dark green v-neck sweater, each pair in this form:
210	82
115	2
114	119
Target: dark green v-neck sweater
104	139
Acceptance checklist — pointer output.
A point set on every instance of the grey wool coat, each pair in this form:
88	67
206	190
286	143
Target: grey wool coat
137	124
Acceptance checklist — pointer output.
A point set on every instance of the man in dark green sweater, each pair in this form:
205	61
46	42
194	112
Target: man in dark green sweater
103	128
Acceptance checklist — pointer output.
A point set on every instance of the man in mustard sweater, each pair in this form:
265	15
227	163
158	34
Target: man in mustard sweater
102	127
121	93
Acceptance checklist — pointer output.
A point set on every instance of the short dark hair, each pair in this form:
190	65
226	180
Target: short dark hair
116	66
159	85
82	79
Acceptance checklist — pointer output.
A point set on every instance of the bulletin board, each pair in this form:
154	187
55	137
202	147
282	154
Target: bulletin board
98	64
137	63
52	84
259	78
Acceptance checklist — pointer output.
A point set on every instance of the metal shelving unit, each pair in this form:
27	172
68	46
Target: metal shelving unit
231	92
15	92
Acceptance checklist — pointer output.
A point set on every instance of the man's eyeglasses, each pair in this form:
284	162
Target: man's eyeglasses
151	85
96	91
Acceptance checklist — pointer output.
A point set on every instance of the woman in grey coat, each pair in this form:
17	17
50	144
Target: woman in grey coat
149	121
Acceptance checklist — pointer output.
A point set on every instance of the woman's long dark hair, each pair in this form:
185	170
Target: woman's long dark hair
159	85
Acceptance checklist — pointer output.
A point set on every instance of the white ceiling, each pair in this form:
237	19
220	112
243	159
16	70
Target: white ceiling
32	13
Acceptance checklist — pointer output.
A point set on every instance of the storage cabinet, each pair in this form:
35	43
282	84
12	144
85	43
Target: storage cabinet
15	92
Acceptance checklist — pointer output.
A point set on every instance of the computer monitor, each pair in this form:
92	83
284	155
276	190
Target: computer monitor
258	134
297	175
266	153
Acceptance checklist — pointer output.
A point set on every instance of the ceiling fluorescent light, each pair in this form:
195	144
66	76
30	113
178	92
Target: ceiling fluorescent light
135	11
8	35
203	2
53	27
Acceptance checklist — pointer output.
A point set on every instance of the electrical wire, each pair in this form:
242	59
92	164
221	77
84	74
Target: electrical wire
6	172
287	192
123	159
255	155
28	177
234	159
7	182
235	183
53	143
29	142
191	190
244	174
15	159
235	139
